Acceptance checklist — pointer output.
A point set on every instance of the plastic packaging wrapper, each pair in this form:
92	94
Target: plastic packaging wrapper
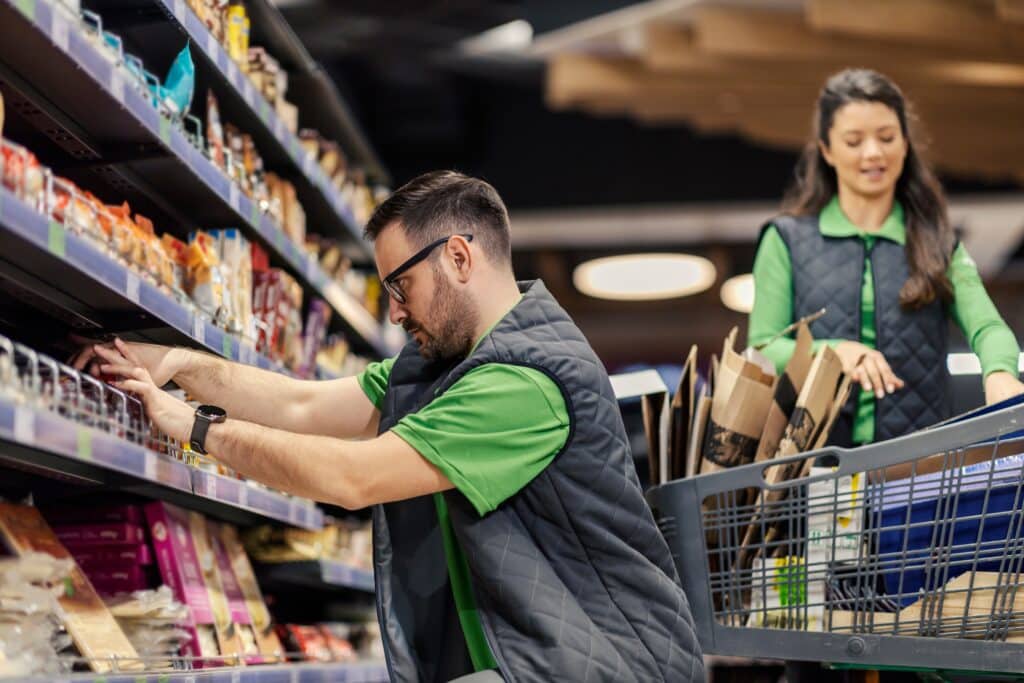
205	280
30	615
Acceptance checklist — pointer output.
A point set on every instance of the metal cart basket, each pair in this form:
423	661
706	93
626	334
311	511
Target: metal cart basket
905	553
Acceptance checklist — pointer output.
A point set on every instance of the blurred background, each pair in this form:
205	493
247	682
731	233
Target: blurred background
673	126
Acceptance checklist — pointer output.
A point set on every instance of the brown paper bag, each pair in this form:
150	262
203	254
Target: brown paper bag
739	407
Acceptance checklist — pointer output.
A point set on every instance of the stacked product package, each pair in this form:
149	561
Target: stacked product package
346	541
31	630
100	643
218	272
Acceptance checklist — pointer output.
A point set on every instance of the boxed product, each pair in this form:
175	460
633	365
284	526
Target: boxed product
179	563
98	555
228	640
945	507
267	642
95	632
109	533
239	612
59	514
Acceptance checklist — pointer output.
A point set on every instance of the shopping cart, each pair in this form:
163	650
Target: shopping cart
907	553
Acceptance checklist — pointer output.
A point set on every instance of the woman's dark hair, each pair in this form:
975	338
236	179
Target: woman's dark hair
930	237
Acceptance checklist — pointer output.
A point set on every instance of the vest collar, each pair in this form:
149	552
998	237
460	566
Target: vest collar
833	223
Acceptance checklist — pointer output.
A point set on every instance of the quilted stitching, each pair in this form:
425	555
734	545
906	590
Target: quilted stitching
572	576
914	342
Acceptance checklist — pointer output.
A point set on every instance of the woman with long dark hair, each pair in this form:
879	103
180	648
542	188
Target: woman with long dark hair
865	234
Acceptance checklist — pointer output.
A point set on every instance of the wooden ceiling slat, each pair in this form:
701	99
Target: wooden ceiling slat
1010	10
949	24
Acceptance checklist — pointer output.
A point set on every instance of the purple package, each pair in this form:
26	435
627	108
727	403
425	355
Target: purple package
313	335
113	573
178	561
236	598
64	515
97	555
112	533
118	586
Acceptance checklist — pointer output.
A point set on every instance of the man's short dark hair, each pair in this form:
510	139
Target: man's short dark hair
441	203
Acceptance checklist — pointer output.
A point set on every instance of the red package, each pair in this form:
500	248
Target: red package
341	649
305	639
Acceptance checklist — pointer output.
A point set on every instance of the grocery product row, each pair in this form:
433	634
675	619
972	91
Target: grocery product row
180	172
216	276
148	587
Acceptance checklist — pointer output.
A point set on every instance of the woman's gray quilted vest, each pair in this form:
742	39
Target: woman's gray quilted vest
828	273
572	579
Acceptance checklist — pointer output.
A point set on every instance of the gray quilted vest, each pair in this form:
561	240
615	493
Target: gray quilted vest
828	273
572	579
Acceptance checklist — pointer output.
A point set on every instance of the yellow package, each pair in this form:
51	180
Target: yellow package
205	284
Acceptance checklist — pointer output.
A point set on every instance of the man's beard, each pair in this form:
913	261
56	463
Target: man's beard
453	319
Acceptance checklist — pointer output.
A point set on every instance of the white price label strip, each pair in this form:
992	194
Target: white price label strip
211	486
149	466
199	329
243	495
132	287
233	197
59	30
179	10
24	425
211	47
117	85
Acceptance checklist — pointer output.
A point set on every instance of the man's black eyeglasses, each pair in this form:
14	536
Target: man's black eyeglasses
390	281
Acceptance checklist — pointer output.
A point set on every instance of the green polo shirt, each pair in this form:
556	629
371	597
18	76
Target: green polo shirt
986	332
491	433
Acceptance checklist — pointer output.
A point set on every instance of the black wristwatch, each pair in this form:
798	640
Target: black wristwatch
205	416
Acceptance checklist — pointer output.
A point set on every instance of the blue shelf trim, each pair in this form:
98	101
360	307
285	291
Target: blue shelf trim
47	431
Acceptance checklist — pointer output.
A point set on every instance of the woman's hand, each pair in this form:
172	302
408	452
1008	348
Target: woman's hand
1000	386
171	416
869	368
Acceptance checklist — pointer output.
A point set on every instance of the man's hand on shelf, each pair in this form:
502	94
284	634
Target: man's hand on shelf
162	363
170	415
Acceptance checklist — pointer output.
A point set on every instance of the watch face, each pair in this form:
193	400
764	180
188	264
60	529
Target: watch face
212	412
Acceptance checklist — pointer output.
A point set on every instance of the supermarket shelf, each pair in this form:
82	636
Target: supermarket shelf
58	265
321	574
240	104
103	121
48	444
312	89
367	672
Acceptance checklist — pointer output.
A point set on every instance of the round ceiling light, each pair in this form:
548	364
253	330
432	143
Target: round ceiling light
738	293
643	277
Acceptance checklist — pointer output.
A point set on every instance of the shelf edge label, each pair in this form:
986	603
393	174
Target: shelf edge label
165	129
226	346
56	239
59	30
117	85
83	448
131	287
24	424
27	7
199	329
179	10
233	197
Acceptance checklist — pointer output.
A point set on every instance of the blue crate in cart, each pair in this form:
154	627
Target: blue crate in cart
943	524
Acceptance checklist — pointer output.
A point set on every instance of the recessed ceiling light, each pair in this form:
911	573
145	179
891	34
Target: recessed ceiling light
643	277
738	293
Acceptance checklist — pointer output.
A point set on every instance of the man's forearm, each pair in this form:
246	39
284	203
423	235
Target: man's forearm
245	392
310	466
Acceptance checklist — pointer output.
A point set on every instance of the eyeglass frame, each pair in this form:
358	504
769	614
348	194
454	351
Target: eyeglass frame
388	281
